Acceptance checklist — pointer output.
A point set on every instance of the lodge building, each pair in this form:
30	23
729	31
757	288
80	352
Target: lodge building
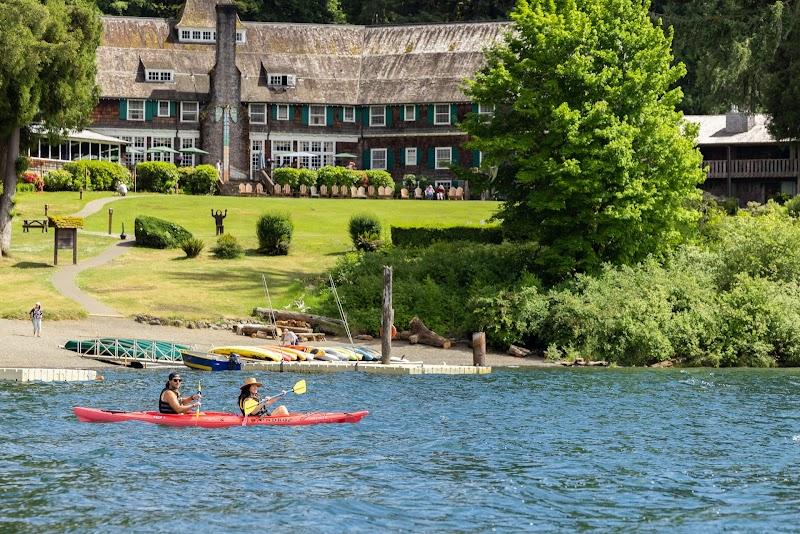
255	95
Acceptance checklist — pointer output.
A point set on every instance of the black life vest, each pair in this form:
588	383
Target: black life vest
163	406
262	411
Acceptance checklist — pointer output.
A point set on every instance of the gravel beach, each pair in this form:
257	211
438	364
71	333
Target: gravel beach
19	348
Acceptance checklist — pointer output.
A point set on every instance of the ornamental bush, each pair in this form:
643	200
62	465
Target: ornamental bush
378	178
330	176
365	231
422	237
286	175
157	233
193	247
157	176
274	231
201	181
98	175
227	247
60	180
307	177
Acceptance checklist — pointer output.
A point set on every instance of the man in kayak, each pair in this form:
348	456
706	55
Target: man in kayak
170	400
251	404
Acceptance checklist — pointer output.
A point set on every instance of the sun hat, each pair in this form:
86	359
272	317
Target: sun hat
250	382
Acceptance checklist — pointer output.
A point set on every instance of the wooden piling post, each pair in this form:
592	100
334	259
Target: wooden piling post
479	349
388	316
110	216
45	210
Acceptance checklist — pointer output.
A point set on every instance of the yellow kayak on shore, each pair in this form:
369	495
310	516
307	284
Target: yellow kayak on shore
259	353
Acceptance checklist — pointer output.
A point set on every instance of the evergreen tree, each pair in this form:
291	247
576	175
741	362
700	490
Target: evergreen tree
47	74
782	86
595	162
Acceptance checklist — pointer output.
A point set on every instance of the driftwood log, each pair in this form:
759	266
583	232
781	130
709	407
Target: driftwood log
422	334
248	329
327	325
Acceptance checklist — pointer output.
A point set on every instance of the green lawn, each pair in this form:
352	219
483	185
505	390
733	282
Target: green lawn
165	283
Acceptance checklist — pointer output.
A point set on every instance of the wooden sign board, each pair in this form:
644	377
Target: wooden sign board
66	238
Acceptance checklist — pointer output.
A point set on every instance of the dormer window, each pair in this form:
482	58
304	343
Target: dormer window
281	80
204	35
240	36
152	75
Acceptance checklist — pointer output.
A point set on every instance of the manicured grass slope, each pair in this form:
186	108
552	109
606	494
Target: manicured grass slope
164	283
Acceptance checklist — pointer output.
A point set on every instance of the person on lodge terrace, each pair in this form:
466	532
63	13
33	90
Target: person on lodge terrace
170	400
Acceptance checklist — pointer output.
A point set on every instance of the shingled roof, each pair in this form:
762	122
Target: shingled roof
201	14
333	64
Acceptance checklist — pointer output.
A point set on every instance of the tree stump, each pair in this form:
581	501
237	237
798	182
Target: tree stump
422	334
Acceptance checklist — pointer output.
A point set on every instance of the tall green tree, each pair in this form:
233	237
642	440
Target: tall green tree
47	74
595	163
782	86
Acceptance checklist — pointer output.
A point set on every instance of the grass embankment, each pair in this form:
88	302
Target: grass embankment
165	283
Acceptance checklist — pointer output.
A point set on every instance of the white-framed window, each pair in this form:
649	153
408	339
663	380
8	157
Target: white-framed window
275	79
281	146
348	114
190	111
444	156
281	80
188	159
186	35
240	36
316	116
377	116
158	75
197	35
161	141
135	110
409	112
411	156
258	113
207	35
136	143
282	112
441	114
377	158
485	109
163	108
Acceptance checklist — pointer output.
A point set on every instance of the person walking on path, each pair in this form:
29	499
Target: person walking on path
36	317
218	218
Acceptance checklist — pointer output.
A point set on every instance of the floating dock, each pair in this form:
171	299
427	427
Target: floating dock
25	374
410	368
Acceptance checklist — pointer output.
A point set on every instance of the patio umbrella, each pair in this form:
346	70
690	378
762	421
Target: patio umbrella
192	150
344	155
134	150
161	150
300	155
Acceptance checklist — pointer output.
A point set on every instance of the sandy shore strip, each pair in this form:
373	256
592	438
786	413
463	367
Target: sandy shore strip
19	348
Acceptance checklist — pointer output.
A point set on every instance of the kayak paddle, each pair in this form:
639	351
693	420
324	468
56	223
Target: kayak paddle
298	389
200	397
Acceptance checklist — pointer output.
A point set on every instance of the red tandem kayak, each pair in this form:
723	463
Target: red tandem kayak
215	419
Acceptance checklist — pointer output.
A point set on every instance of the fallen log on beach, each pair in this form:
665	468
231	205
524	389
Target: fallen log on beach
419	333
321	323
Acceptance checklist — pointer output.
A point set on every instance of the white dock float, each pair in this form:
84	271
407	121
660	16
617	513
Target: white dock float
25	374
363	367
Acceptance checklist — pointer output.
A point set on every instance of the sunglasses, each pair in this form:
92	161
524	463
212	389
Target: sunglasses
177	380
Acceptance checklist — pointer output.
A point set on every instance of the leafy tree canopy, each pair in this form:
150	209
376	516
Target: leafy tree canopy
595	162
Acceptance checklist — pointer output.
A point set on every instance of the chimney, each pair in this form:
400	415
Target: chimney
738	122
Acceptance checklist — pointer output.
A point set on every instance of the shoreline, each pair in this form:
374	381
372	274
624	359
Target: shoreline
21	349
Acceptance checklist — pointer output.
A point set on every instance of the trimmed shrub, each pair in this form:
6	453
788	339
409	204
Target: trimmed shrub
351	177
286	175
157	176
23	187
193	247
202	180
102	175
793	206
60	180
227	247
365	231
380	178
274	232
329	176
422	237
184	178
157	233
307	177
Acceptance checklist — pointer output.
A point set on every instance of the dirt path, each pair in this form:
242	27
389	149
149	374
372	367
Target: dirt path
21	349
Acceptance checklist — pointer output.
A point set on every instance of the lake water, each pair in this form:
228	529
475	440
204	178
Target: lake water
518	450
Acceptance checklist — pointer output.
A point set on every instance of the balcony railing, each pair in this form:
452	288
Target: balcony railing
753	168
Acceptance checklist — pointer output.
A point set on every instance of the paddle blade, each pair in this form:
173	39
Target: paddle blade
300	387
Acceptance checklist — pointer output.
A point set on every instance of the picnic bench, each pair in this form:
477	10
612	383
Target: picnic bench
27	224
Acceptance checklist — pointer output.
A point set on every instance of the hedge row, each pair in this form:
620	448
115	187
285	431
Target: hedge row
91	175
422	237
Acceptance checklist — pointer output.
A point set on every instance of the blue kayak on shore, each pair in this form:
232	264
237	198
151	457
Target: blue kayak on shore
203	361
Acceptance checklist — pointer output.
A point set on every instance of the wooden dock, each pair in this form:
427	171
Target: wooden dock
25	374
410	368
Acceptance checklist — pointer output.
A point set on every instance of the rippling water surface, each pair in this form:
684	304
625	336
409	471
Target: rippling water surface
697	450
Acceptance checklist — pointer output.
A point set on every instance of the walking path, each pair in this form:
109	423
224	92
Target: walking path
64	278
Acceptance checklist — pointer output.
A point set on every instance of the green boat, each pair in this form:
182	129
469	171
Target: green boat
124	349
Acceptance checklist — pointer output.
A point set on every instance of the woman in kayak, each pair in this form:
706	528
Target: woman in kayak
170	400
251	404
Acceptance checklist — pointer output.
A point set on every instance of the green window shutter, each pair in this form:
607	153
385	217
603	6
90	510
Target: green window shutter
474	108
454	155
430	113
453	113
388	111
403	157
273	112
476	158
330	116
173	109
402	113
291	112
365	115
365	164
389	159
304	115
150	107
123	109
432	158
418	116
